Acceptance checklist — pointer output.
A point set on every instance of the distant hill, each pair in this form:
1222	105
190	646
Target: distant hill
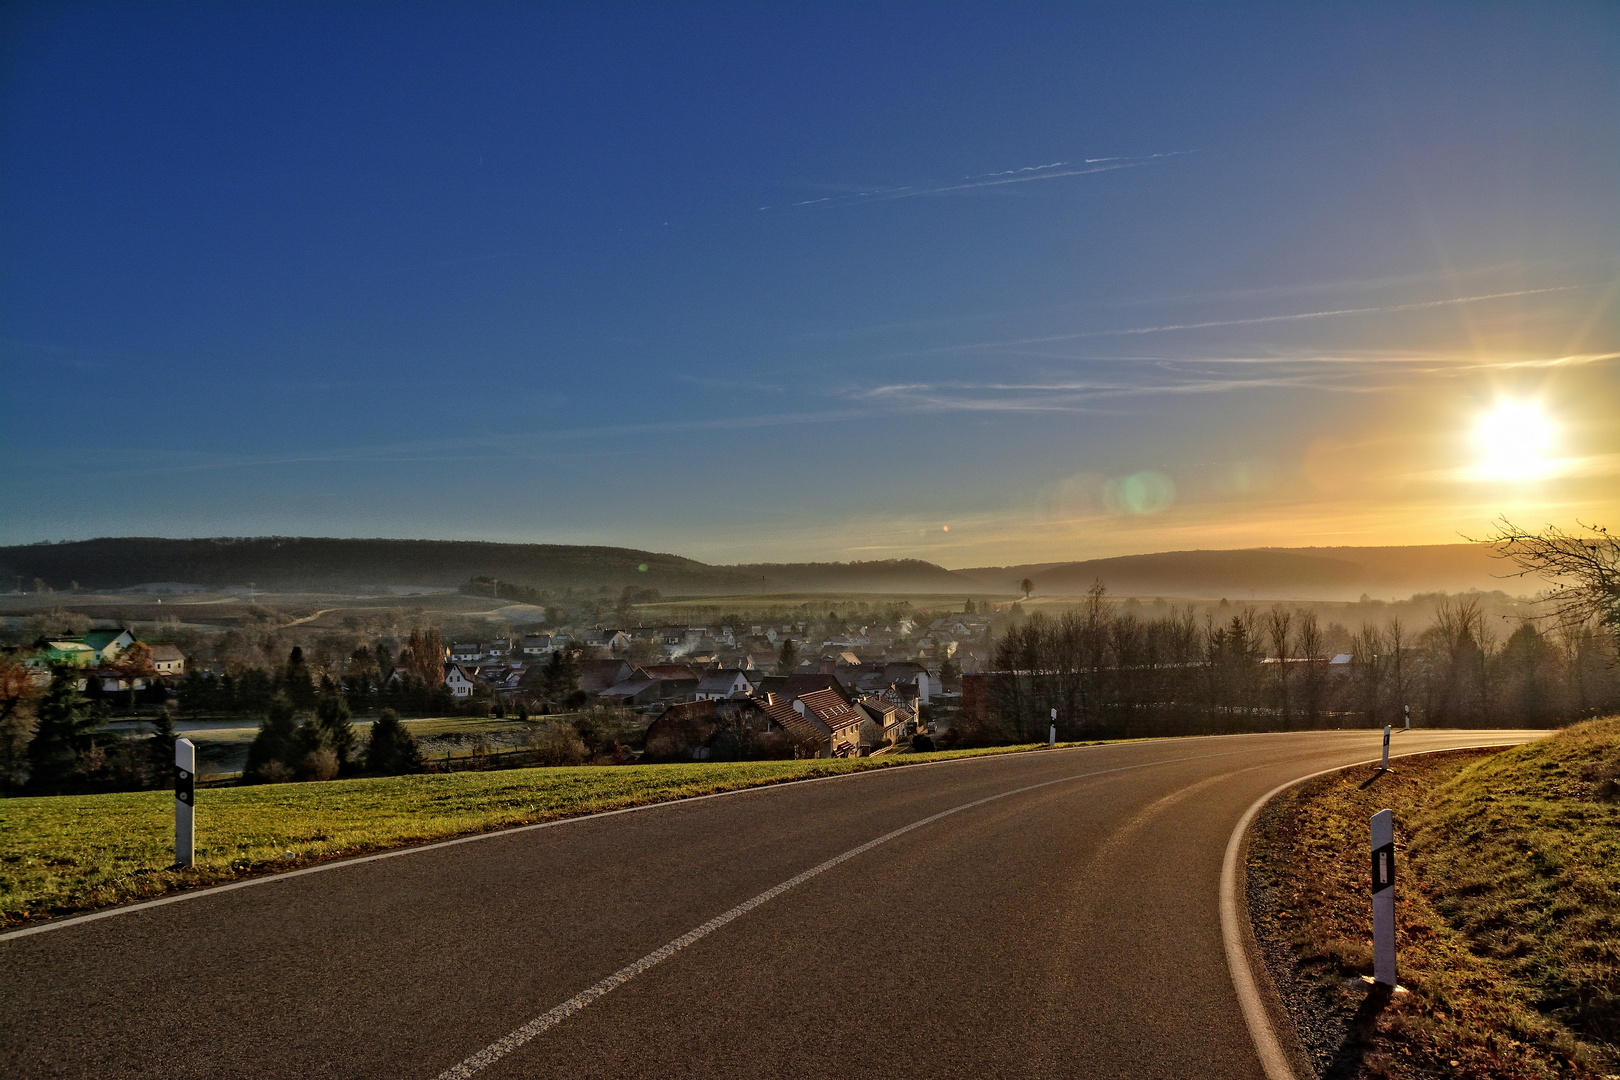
1271	573
291	564
314	564
302	563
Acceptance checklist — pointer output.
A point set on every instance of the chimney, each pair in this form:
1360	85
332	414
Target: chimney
828	665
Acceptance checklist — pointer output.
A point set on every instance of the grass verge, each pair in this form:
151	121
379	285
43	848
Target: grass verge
72	853
1508	918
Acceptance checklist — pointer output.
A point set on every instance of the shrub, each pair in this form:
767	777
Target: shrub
559	744
320	764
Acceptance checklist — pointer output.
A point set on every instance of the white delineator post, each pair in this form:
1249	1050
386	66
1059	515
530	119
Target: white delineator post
185	778
1385	766
1051	738
1408	710
1383	896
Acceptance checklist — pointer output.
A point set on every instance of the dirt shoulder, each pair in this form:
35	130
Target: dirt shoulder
1508	916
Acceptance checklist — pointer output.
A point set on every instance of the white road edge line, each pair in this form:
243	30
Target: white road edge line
1267	1043
548	1020
414	849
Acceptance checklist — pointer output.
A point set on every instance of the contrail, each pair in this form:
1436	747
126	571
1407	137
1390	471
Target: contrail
1297	316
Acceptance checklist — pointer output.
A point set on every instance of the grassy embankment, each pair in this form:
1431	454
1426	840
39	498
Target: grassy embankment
72	853
1508	916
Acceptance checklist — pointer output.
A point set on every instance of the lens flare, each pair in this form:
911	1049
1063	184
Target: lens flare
1514	442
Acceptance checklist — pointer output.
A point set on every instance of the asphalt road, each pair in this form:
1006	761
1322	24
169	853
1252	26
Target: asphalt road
1066	924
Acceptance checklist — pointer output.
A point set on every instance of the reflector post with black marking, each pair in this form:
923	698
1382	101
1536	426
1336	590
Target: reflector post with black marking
1051	739
185	798
1383	896
1385	766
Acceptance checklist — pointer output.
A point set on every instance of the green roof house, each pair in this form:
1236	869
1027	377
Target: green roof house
107	644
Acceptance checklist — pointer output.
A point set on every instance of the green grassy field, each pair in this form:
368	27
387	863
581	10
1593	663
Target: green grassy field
1508	919
72	853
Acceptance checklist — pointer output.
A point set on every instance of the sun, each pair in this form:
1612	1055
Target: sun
1514	441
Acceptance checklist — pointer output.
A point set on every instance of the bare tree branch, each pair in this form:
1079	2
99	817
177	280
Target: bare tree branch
1583	571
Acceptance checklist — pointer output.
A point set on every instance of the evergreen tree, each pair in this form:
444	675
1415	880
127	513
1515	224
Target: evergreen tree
271	748
312	756
297	683
562	676
334	718
160	748
787	661
64	749
393	749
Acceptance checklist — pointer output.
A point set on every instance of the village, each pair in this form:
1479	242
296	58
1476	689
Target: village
872	689
763	690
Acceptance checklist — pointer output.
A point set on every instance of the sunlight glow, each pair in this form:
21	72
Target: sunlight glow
1514	442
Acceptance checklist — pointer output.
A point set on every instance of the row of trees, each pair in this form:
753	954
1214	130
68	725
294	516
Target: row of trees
1108	671
374	678
322	744
57	740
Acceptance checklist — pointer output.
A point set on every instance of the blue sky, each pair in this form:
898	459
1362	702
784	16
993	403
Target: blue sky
979	284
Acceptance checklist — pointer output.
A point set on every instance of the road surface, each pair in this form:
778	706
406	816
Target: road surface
1034	915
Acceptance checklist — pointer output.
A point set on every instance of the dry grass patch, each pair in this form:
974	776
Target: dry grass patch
1508	915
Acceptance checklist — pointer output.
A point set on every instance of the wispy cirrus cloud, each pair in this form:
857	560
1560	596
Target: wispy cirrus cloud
1148	377
1026	174
1259	320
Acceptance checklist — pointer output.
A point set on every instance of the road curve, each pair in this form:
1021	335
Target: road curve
1033	915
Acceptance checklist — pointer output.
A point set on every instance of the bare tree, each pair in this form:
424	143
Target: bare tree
1279	629
1311	646
1584	571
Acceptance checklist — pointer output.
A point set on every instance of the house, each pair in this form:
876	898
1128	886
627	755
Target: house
168	659
795	685
668	672
722	684
69	651
504	679
911	678
498	648
821	722
460	681
466	652
537	645
891	721
681	732
674	681
112	681
107	644
635	691
596	676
